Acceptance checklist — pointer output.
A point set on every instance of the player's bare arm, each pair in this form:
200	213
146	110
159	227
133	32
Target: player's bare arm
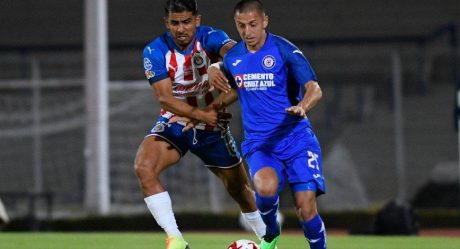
225	99
312	95
163	91
220	103
215	75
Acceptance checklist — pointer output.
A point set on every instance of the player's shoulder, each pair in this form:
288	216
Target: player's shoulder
209	34
207	30
157	46
285	47
282	42
237	50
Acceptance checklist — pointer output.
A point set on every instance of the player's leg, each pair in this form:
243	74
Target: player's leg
219	153
267	176
306	181
236	182
312	224
267	186
155	155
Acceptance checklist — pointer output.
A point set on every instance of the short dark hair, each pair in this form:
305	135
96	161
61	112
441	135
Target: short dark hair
249	5
181	6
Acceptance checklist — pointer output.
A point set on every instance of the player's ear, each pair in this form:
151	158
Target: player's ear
165	20
265	21
197	20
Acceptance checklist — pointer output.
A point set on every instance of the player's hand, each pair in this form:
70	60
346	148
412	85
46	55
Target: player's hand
297	111
218	80
189	123
223	119
208	116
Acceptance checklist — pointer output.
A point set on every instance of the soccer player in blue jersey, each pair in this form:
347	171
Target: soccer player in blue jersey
175	65
269	74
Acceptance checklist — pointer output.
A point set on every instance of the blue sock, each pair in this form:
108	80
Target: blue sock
268	207
315	232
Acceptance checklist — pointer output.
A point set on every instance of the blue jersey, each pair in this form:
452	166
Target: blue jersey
269	81
186	69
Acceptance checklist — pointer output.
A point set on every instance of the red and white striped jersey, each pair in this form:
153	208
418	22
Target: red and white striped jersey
186	69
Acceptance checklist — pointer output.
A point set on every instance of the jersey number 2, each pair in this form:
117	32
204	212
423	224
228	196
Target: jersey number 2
313	160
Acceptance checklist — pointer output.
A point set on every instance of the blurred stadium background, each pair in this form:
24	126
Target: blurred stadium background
388	69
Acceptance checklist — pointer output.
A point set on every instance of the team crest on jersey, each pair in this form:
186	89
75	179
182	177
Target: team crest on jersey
198	60
268	61
159	127
147	64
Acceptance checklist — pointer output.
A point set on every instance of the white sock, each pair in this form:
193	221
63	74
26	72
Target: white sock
256	223
161	208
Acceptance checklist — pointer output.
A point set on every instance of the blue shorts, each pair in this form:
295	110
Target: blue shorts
215	148
299	162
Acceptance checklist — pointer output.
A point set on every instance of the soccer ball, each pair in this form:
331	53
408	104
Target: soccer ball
243	244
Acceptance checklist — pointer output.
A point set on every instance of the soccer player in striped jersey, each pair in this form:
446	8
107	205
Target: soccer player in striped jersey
175	65
268	73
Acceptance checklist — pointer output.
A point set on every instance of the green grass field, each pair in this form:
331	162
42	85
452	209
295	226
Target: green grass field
209	241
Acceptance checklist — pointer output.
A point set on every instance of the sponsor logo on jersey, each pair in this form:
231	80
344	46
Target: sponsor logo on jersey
239	81
269	61
193	89
147	63
149	74
226	41
297	51
236	63
255	81
150	49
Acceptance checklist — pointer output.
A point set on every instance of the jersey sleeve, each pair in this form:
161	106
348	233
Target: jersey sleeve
154	64
215	40
299	67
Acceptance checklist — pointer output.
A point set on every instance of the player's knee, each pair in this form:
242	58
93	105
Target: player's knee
266	188
266	182
144	167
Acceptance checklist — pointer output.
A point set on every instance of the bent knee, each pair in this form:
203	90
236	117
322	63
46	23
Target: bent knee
266	182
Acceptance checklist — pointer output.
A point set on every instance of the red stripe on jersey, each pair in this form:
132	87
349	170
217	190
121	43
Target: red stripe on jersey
172	66
188	72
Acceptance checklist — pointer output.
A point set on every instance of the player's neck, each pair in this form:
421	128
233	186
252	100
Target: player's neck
184	48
